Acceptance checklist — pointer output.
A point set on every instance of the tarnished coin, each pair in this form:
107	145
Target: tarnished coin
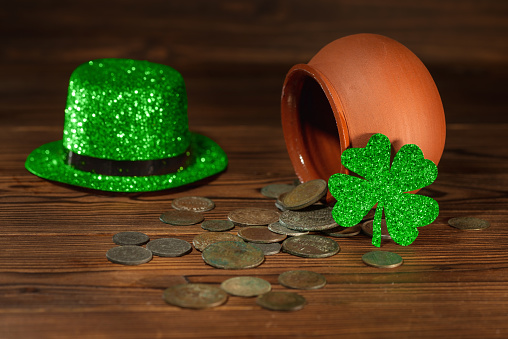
368	228
343	232
260	234
246	286
129	255
313	218
233	255
279	204
310	246
201	241
301	279
169	247
130	238
217	225
382	259
468	223
193	204
275	190
268	249
305	194
196	296
277	227
181	218
253	216
281	301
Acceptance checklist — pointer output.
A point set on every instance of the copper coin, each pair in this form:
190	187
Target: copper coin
196	296
468	223
129	255
260	234
305	194
343	232
233	255
301	279
313	218
281	301
181	218
246	286
277	227
279	204
217	225
382	259
130	238
368	228
275	190
201	241
193	204
310	246
253	216
169	247
268	249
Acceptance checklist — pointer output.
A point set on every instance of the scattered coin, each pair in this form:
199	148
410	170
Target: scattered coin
310	246
181	218
196	296
193	204
260	235
217	225
281	301
343	232
368	228
130	238
279	204
468	223
201	241
275	190
313	218
268	249
233	255
129	255
305	194
382	259
301	279
169	247
253	216
246	286
277	227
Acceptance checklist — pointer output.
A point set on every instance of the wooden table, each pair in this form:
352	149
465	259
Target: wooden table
55	281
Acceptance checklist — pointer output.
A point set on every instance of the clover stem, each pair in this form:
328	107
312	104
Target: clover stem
376	226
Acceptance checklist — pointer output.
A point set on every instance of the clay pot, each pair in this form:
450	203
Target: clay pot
355	87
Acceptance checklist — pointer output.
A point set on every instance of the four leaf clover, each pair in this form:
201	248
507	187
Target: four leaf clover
387	187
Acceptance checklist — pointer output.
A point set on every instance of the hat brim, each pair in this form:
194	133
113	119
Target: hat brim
206	159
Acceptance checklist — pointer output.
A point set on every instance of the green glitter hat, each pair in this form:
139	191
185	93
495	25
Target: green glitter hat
126	130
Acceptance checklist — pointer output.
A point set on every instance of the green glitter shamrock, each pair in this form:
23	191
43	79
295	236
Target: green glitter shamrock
386	186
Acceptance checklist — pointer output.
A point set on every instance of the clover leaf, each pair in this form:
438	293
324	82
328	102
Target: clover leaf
387	187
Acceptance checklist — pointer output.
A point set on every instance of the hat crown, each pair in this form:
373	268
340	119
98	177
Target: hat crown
122	109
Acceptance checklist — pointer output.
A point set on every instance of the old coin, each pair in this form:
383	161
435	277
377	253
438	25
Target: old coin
277	227
305	194
368	228
181	218
233	255
201	241
130	238
193	204
253	216
268	249
169	247
129	255
382	259
281	301
343	232
301	279
260	234
217	225
313	218
246	286
468	223
279	204
196	296
275	190
310	246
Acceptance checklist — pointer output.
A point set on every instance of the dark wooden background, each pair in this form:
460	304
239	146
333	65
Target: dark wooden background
55	281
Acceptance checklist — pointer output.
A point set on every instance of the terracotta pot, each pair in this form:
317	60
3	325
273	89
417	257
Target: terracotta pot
355	87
